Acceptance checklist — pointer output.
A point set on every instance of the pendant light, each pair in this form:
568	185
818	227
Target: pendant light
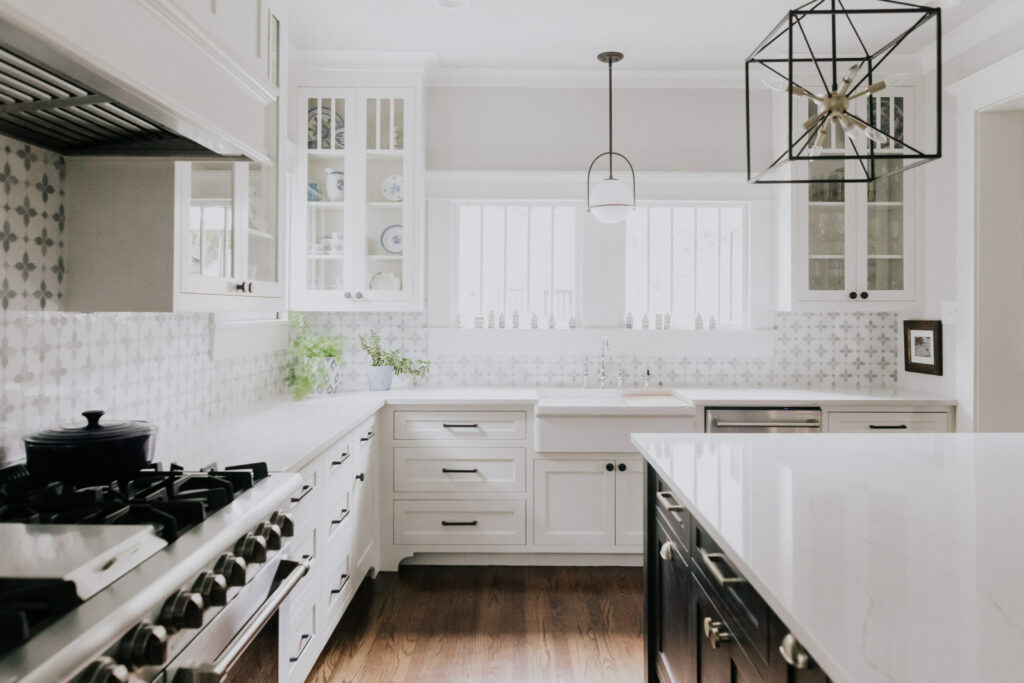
612	199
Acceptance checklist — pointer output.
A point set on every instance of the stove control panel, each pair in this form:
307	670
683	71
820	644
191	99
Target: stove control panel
147	648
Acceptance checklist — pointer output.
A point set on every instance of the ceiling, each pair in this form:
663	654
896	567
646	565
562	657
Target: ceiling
555	34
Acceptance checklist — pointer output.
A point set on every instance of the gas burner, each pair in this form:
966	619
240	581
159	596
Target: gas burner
172	500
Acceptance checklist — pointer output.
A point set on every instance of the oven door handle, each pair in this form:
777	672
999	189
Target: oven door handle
215	672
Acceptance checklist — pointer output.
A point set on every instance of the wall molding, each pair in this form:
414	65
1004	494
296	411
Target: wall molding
974	31
452	77
361	60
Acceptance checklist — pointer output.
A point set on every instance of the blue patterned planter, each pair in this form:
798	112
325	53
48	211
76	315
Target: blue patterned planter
326	375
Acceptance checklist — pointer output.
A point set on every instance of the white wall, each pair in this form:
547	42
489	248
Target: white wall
999	283
559	129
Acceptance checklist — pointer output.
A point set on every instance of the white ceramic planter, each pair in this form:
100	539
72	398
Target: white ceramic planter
326	373
379	378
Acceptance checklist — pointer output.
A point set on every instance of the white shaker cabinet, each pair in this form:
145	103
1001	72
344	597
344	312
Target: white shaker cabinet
856	242
357	243
166	235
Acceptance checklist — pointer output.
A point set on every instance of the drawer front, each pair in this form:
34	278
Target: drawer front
304	503
734	594
460	522
460	426
674	515
297	631
338	460
888	423
338	579
305	547
460	469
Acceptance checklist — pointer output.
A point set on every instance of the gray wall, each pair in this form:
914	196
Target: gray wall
559	129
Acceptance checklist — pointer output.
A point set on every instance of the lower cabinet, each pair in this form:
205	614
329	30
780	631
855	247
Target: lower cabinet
588	502
703	622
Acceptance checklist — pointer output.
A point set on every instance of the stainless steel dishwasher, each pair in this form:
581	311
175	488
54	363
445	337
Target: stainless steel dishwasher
771	420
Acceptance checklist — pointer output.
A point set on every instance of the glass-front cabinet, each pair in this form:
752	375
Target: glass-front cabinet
357	249
855	241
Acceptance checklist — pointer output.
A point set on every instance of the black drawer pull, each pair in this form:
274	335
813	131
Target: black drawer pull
458	426
306	488
448	470
304	641
344	580
338	463
444	523
887	426
344	514
369	435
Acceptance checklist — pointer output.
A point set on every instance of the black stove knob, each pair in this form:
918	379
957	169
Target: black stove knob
272	534
285	521
252	548
213	587
105	670
232	568
144	645
184	609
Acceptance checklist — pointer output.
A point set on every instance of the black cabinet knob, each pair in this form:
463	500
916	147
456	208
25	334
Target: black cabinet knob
610	467
271	533
361	476
144	645
232	568
213	587
863	295
252	548
285	521
853	295
622	467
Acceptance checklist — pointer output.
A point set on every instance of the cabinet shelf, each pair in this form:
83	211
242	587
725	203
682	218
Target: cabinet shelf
335	153
385	257
326	205
262	235
326	257
385	205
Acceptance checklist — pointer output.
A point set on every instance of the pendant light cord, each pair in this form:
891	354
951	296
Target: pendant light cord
610	173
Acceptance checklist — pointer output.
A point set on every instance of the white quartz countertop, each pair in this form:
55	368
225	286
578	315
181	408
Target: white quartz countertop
286	434
892	558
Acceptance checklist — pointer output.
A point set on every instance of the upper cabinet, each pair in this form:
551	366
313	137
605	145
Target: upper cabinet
357	243
856	242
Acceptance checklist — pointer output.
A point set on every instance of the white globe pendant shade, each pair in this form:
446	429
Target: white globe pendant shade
611	200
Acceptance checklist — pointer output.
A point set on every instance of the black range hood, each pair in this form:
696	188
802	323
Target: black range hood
44	107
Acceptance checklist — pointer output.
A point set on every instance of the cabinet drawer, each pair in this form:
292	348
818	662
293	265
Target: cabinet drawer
460	522
735	596
298	629
674	515
888	423
305	547
460	426
337	579
460	469
304	503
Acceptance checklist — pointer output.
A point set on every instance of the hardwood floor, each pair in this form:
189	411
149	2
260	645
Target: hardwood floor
430	624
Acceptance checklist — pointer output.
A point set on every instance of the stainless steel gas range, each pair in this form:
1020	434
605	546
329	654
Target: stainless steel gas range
165	576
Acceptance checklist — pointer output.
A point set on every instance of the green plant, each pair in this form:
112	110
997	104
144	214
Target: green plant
301	374
380	357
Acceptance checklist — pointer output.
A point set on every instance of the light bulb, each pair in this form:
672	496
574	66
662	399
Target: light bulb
875	136
850	127
611	200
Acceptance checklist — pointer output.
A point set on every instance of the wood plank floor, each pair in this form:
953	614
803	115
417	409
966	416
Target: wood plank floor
430	624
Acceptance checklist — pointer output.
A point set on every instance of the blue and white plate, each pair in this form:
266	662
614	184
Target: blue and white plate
392	188
391	239
325	129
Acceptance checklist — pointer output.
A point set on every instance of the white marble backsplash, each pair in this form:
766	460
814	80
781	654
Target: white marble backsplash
813	350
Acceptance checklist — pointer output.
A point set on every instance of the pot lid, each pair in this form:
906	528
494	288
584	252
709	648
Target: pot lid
92	431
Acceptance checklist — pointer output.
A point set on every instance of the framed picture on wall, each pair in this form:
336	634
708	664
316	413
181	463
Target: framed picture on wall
922	346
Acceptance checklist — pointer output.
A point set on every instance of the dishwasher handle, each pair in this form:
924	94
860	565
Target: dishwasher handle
776	423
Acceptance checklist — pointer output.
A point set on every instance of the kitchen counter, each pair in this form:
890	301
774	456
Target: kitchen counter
286	434
889	557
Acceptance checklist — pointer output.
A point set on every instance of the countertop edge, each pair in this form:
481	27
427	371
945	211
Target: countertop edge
825	661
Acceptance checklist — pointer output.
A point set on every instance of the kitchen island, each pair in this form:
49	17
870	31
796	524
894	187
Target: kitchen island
865	558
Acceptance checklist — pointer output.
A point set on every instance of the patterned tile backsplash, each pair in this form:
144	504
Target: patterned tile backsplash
54	364
813	350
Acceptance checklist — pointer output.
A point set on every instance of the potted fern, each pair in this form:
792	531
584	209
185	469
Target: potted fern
385	364
315	364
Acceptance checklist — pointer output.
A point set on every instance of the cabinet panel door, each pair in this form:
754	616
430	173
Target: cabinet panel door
211	204
574	502
629	502
674	636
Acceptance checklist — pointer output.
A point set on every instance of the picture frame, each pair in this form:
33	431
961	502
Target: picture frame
922	346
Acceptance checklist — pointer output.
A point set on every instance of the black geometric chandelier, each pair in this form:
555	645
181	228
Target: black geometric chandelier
842	65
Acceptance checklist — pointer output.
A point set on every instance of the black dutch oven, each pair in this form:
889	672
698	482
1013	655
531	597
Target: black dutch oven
93	453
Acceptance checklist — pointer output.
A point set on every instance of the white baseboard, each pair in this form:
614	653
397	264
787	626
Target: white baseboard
528	559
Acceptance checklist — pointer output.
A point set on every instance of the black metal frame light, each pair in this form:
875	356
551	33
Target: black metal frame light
840	90
610	58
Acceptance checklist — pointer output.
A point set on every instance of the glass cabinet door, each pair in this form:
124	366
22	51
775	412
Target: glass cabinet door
261	233
327	223
212	262
388	186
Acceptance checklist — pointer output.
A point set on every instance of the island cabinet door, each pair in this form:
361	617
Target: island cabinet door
672	636
720	659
